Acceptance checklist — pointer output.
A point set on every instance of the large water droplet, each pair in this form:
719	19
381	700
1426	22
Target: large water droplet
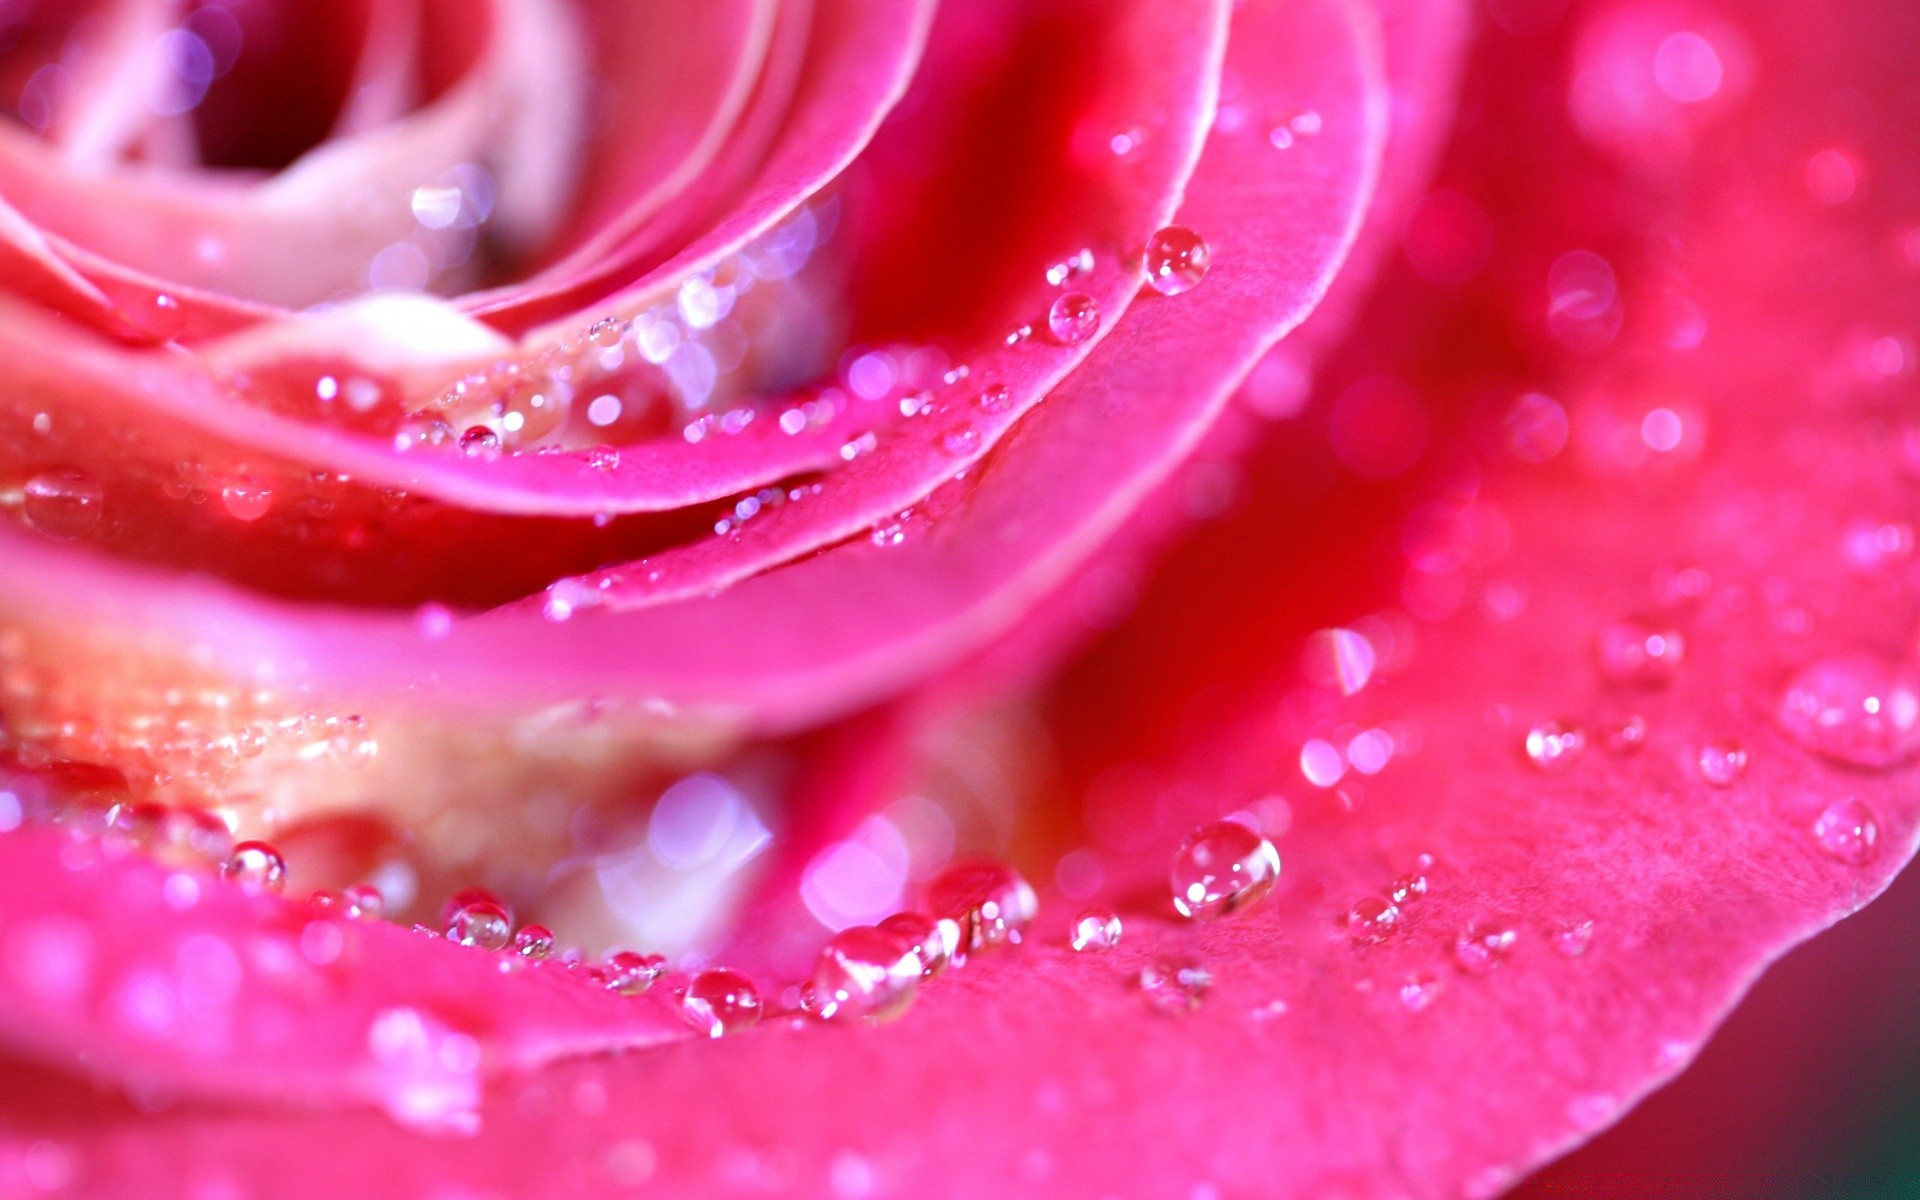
246	499
1418	991
630	973
63	504
480	923
1176	260
988	898
1638	652
994	398
480	442
1174	987
864	972
1483	946
932	941
720	1002
1855	710
1222	868
1847	830
1722	763
364	901
1095	929
1553	745
1572	939
255	865
1373	919
533	941
1073	318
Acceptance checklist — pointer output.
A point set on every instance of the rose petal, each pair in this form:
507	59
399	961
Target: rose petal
177	981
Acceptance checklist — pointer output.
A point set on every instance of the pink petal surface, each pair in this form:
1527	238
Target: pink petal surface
1746	490
175	981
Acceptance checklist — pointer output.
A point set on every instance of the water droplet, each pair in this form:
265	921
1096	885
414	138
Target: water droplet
1638	652
1846	830
629	973
255	865
1419	990
1722	763
1553	745
720	1002
960	441
1854	710
246	499
480	442
1407	888
364	901
1374	919
180	837
64	504
1173	987
1572	939
534	941
422	430
158	316
994	398
1176	260
1095	929
481	923
988	898
1073	318
864	972
1483	946
932	941
1222	868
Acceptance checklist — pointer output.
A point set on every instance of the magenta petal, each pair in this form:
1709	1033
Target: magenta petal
177	983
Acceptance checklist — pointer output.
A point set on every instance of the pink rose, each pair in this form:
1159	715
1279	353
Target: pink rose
1418	632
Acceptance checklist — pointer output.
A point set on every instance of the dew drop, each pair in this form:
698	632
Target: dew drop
630	973
932	941
422	430
364	901
720	1001
158	316
1175	988
991	902
480	442
533	941
255	865
481	923
1846	830
1722	763
1373	920
1553	745
1638	652
1418	991
1073	318
1407	888
1222	868
1483	946
864	972
1176	260
1854	710
63	504
994	398
1095	929
960	441
1572	939
246	499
